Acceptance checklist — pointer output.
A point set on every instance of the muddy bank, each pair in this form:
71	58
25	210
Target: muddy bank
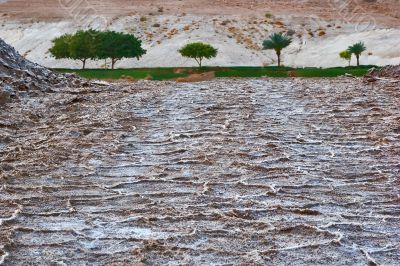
220	172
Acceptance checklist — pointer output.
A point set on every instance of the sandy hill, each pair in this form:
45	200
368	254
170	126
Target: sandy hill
386	11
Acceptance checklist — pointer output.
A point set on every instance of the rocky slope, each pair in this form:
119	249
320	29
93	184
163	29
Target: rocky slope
386	72
21	77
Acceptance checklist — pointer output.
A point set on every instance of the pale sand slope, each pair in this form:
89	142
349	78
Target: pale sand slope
238	42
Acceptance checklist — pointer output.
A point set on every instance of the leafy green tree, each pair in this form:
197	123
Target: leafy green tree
277	42
84	45
357	50
346	55
60	48
118	45
198	51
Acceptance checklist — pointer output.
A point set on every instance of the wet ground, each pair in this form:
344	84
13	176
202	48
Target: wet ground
244	172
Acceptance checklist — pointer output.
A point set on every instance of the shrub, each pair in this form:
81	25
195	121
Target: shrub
346	55
225	22
268	15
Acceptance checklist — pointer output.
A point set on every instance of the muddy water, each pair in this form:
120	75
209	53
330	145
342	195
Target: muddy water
248	172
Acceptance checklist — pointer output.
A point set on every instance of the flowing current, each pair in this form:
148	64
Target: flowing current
243	172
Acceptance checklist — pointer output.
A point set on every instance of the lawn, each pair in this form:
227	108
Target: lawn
244	72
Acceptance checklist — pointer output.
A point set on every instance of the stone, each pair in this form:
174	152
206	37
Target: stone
6	93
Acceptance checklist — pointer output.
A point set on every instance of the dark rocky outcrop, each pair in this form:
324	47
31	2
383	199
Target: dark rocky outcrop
19	76
388	72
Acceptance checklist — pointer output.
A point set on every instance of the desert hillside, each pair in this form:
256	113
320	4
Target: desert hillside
386	11
236	28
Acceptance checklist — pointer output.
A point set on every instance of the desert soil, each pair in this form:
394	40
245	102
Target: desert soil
245	172
385	11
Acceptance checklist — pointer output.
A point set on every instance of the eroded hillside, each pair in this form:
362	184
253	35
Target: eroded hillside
236	28
386	11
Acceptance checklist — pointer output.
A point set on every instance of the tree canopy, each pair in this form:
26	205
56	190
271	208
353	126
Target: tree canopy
198	51
346	55
357	50
83	45
60	48
277	42
92	44
118	45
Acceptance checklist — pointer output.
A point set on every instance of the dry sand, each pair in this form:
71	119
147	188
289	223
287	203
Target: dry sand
386	12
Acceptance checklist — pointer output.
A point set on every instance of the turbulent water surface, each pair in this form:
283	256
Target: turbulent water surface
247	172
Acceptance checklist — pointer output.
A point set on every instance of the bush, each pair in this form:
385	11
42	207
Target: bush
346	55
268	15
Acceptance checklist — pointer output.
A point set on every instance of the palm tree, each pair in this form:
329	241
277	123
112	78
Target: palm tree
357	50
277	42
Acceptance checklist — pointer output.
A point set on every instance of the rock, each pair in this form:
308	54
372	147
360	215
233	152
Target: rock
371	79
384	72
349	75
7	167
100	83
6	93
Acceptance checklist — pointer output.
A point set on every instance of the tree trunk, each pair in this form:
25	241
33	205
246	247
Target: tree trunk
84	63
113	61
278	53
198	61
358	60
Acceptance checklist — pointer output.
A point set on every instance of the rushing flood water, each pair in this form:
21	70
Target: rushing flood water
246	172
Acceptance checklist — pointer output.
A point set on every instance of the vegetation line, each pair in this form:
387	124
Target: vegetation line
243	72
